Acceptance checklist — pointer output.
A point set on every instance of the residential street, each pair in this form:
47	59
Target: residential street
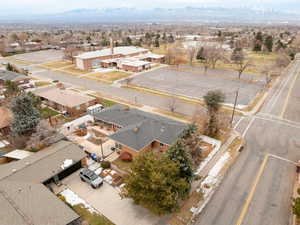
257	190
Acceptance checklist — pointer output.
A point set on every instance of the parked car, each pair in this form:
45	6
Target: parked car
87	175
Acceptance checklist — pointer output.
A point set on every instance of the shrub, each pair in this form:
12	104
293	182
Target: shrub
125	156
105	164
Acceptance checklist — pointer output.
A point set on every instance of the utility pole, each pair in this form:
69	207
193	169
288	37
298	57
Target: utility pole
235	103
102	155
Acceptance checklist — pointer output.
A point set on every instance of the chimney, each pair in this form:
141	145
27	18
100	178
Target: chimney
111	45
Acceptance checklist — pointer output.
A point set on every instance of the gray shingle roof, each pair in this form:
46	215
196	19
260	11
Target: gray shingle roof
24	199
12	76
139	128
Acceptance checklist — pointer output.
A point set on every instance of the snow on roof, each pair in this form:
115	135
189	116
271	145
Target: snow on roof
124	50
18	154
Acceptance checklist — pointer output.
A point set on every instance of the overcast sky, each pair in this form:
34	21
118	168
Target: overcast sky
53	6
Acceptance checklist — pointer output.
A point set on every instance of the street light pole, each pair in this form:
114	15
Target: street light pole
235	103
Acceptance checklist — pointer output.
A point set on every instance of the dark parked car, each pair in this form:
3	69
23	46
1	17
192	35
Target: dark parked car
91	178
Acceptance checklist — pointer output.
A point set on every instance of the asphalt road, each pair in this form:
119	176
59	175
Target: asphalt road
257	189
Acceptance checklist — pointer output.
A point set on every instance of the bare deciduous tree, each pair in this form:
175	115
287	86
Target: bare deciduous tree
239	59
191	53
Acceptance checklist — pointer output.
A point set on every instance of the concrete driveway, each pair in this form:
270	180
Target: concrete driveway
107	201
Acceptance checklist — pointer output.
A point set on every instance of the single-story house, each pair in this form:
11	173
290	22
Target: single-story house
24	196
14	77
137	131
65	100
5	120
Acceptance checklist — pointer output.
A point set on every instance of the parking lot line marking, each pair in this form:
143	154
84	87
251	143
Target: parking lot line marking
289	95
281	158
252	191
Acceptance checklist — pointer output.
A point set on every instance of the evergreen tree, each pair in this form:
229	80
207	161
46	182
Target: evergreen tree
154	181
200	54
269	43
178	154
156	43
26	116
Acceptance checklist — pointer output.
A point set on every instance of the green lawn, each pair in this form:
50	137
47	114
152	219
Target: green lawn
47	112
108	103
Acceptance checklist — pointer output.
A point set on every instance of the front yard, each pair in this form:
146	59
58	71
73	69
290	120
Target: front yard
47	112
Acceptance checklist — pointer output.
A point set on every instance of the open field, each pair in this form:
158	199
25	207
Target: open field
192	82
110	76
257	63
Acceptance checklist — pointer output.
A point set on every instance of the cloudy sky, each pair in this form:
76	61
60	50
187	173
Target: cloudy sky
54	6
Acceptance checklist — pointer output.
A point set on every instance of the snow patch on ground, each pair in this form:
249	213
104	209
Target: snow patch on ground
212	178
217	146
74	199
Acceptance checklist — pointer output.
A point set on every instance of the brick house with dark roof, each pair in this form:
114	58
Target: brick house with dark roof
137	131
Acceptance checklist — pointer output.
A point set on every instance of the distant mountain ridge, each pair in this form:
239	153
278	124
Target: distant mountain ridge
186	14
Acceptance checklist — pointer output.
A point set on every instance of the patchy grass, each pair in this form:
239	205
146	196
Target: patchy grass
91	218
108	103
111	76
57	64
122	165
174	115
257	60
74	70
47	112
184	215
42	83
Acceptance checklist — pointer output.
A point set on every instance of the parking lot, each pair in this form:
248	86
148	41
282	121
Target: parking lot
194	83
108	202
39	56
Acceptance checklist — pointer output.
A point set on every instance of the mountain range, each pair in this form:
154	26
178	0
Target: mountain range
185	14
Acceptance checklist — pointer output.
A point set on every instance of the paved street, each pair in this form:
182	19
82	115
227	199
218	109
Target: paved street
257	189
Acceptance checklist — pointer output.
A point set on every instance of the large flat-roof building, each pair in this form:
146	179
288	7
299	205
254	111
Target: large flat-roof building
117	57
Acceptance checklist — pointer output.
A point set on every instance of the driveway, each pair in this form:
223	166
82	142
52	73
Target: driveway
107	201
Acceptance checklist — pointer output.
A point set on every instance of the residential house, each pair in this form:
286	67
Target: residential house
138	131
24	196
65	100
14	77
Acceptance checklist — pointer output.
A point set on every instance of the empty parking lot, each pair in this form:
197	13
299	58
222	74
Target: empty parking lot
193	82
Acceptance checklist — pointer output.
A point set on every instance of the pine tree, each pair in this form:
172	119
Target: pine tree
269	43
26	116
154	181
200	54
178	154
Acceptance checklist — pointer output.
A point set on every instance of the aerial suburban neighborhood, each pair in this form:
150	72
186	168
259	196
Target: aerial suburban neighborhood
150	113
